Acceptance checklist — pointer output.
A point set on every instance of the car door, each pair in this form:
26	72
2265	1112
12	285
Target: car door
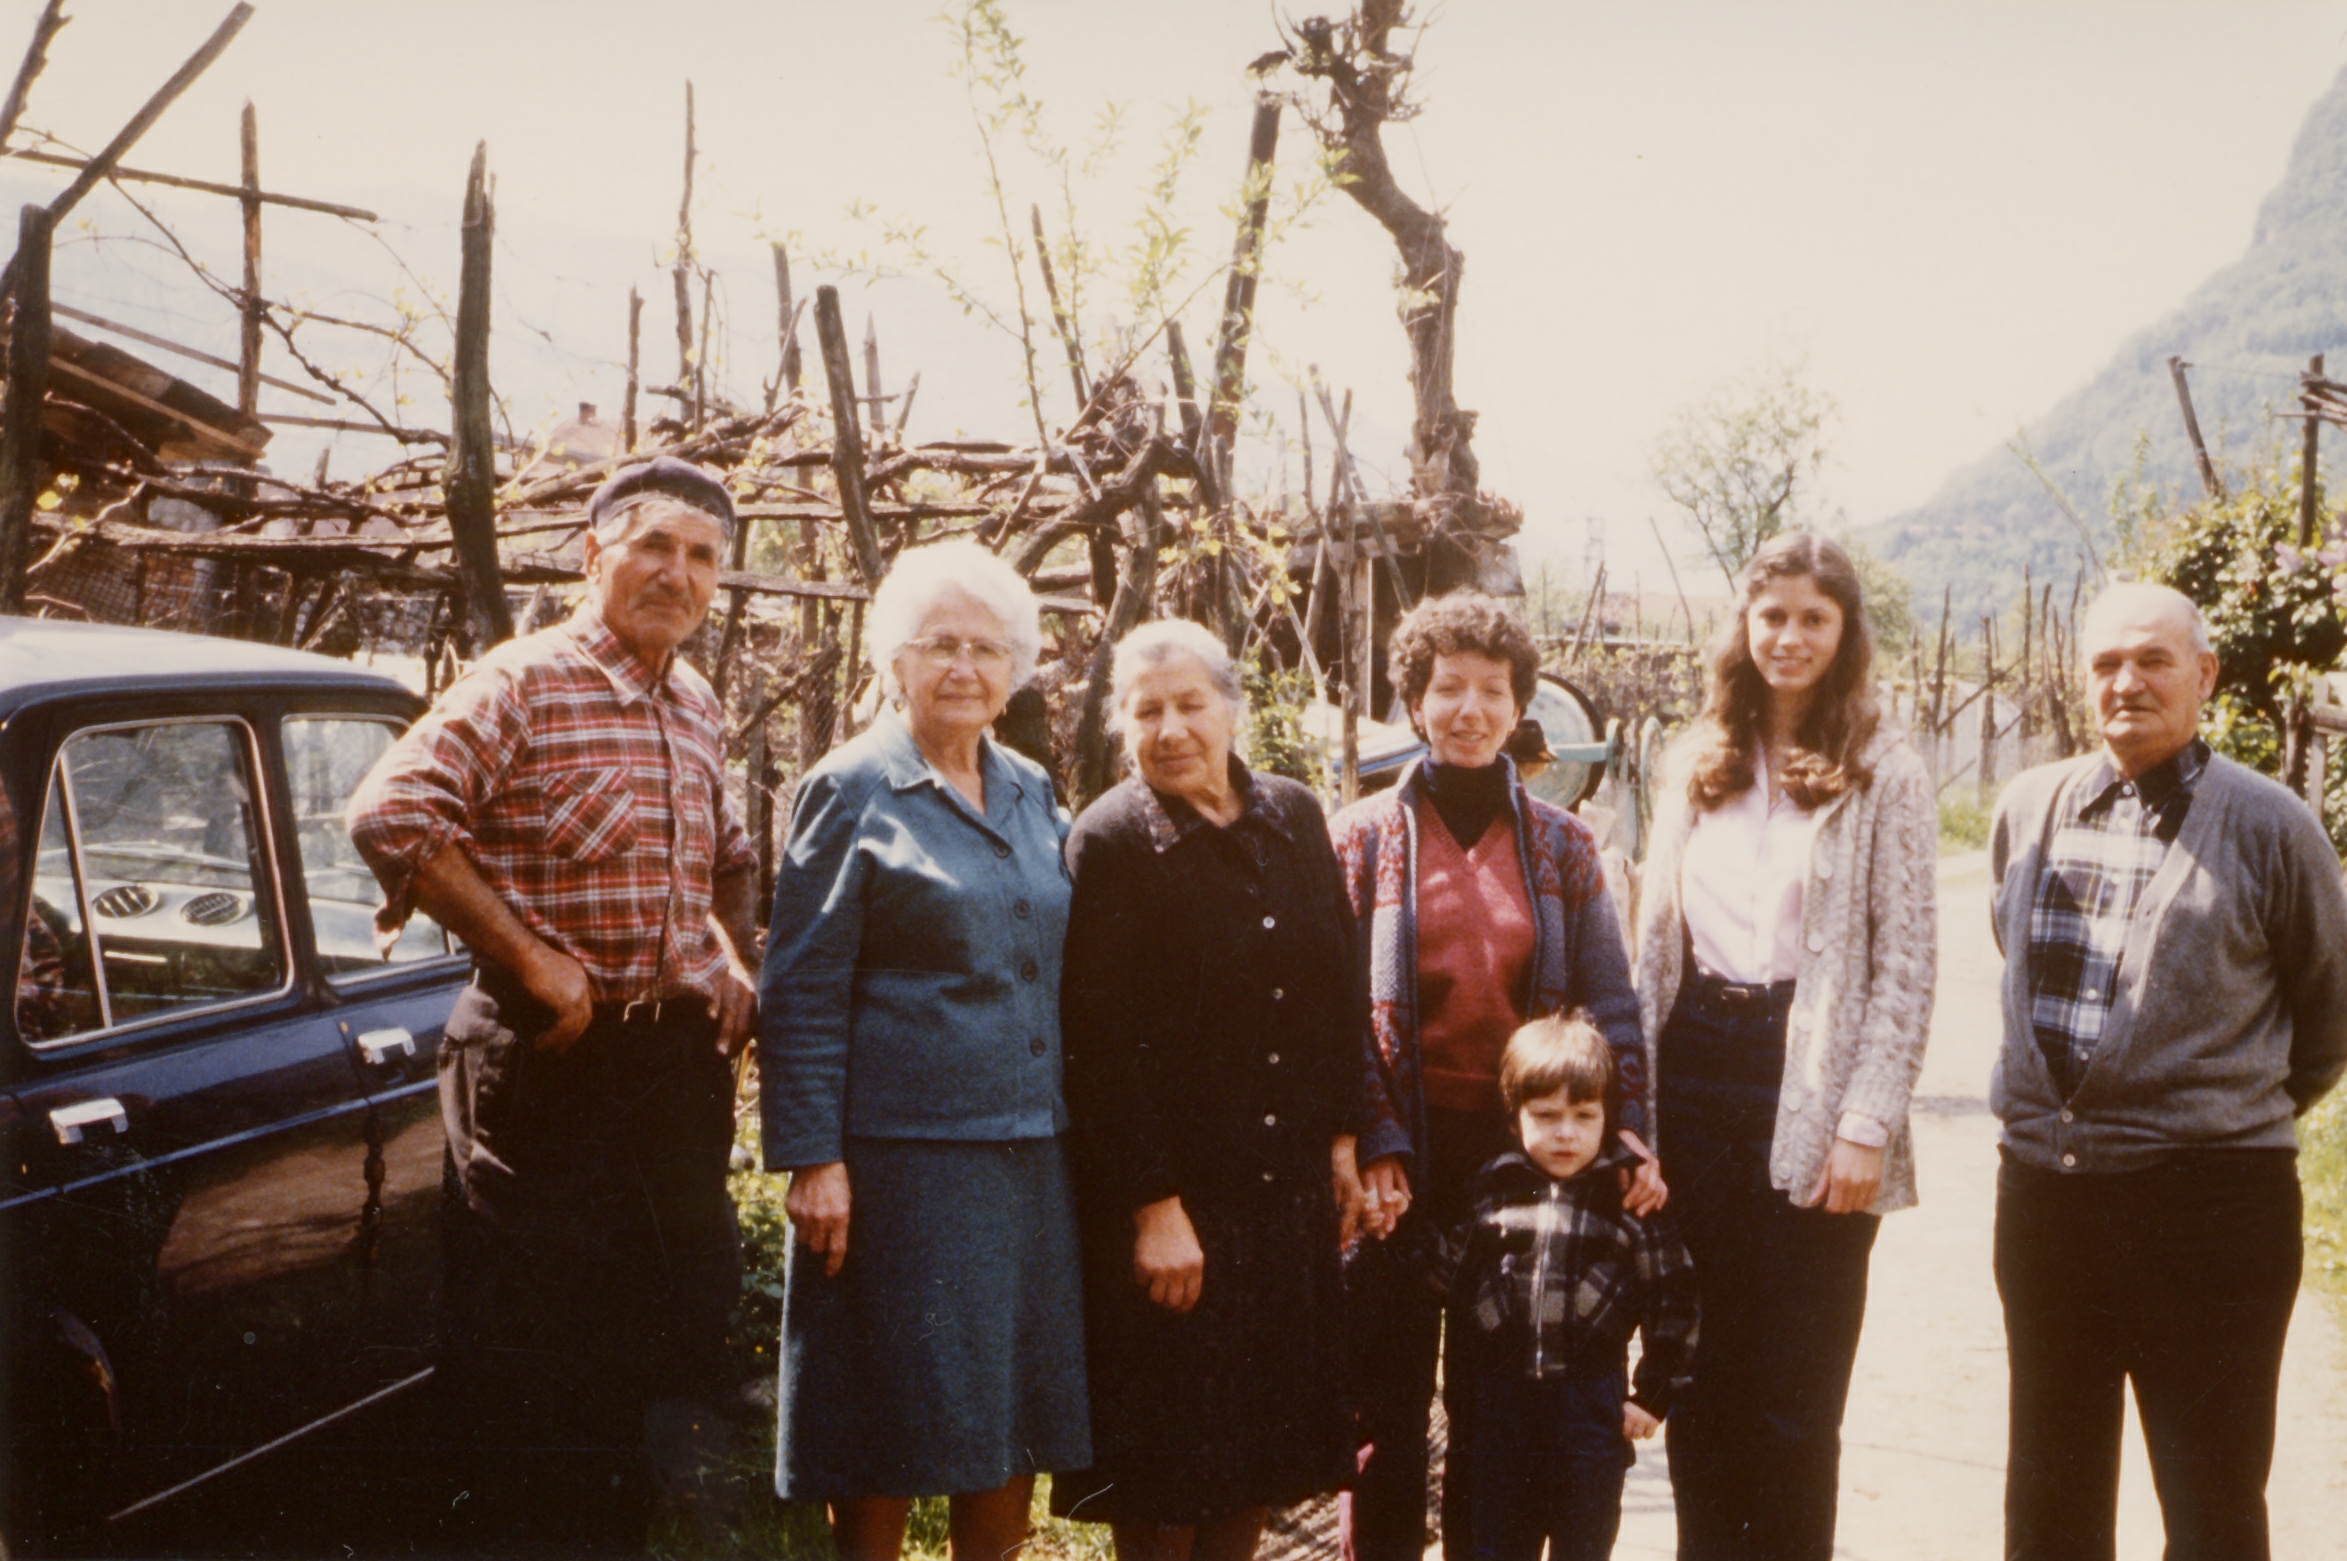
183	1210
389	1006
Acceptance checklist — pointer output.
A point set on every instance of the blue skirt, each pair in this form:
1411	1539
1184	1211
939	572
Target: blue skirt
947	1354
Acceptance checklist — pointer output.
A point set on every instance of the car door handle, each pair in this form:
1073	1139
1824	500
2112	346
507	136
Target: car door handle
382	1048
71	1122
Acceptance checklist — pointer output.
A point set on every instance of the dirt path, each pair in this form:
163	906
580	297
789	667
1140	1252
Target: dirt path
1924	1442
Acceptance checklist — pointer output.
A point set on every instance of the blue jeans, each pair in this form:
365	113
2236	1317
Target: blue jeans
1545	1465
1756	1441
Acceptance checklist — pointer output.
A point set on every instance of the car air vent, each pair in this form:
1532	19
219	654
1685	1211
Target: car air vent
216	908
125	900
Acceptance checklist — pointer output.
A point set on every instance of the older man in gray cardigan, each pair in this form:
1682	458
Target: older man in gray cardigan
2175	994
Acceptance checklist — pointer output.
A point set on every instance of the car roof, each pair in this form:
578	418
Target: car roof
41	658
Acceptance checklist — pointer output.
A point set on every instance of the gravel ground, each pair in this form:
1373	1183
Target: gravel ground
1924	1441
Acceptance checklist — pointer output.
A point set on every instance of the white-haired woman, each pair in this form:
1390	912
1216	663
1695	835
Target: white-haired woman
1213	1021
932	1336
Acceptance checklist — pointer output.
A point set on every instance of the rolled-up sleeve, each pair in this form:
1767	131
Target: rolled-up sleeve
425	792
806	990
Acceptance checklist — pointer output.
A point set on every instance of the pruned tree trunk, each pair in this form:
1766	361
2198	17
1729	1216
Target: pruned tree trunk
470	478
1365	80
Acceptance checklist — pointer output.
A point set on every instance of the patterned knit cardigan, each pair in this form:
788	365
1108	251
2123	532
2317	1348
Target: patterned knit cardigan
1577	958
1869	955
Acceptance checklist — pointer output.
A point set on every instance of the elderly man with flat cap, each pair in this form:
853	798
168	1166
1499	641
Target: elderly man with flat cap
562	809
2175	995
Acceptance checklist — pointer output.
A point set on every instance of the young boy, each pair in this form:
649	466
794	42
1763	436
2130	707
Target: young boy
1552	1276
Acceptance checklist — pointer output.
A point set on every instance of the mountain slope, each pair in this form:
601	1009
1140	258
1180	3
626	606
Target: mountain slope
2249	329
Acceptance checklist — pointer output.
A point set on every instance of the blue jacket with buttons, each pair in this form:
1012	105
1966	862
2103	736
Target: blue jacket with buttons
912	976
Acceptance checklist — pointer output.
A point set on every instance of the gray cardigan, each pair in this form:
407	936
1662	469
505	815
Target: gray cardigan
1869	959
2230	1014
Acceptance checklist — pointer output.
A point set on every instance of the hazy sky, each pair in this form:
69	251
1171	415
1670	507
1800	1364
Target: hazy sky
1956	211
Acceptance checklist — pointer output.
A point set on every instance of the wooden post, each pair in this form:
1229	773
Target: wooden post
1095	759
627	404
681	274
729	638
1238	298
2310	453
847	440
787	321
248	357
850	658
36	56
1059	315
21	467
701	356
104	164
1987	770
1193	422
872	394
98	168
2298	725
758	806
1349	736
470	478
2023	686
2209	482
904	407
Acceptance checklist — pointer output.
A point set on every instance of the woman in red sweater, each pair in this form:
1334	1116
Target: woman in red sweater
1479	907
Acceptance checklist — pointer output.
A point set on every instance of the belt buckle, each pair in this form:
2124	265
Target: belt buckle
646	1009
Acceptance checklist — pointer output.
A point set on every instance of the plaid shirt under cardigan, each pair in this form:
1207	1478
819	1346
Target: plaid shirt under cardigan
590	795
1577	956
2102	855
1556	1276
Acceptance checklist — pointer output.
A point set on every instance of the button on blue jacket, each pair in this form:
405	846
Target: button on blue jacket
911	983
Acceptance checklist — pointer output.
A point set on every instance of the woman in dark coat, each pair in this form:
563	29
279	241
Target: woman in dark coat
1212	1025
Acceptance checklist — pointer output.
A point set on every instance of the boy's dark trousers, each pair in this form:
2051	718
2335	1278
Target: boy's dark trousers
1543	1463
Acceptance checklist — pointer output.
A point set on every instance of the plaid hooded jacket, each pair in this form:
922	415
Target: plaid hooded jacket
1554	1277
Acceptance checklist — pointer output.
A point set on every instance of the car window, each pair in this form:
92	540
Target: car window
148	892
56	989
325	759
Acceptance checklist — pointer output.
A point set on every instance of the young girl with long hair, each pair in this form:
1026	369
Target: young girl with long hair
1786	952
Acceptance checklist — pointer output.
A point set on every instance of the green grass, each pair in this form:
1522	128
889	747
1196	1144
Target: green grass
1964	821
2322	1168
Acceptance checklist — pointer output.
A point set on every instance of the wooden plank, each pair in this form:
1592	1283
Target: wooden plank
101	166
75	371
191	353
203	186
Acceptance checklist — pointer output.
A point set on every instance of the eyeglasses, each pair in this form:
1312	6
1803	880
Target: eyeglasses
942	651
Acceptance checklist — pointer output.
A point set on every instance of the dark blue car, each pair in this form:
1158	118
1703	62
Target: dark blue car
220	1152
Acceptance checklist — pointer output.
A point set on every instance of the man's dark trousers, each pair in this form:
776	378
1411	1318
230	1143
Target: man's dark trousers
592	1257
2179	1278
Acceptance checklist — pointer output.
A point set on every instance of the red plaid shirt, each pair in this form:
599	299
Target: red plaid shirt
590	795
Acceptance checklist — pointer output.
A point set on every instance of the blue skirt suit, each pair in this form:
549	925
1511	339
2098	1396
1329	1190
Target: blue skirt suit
909	1026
